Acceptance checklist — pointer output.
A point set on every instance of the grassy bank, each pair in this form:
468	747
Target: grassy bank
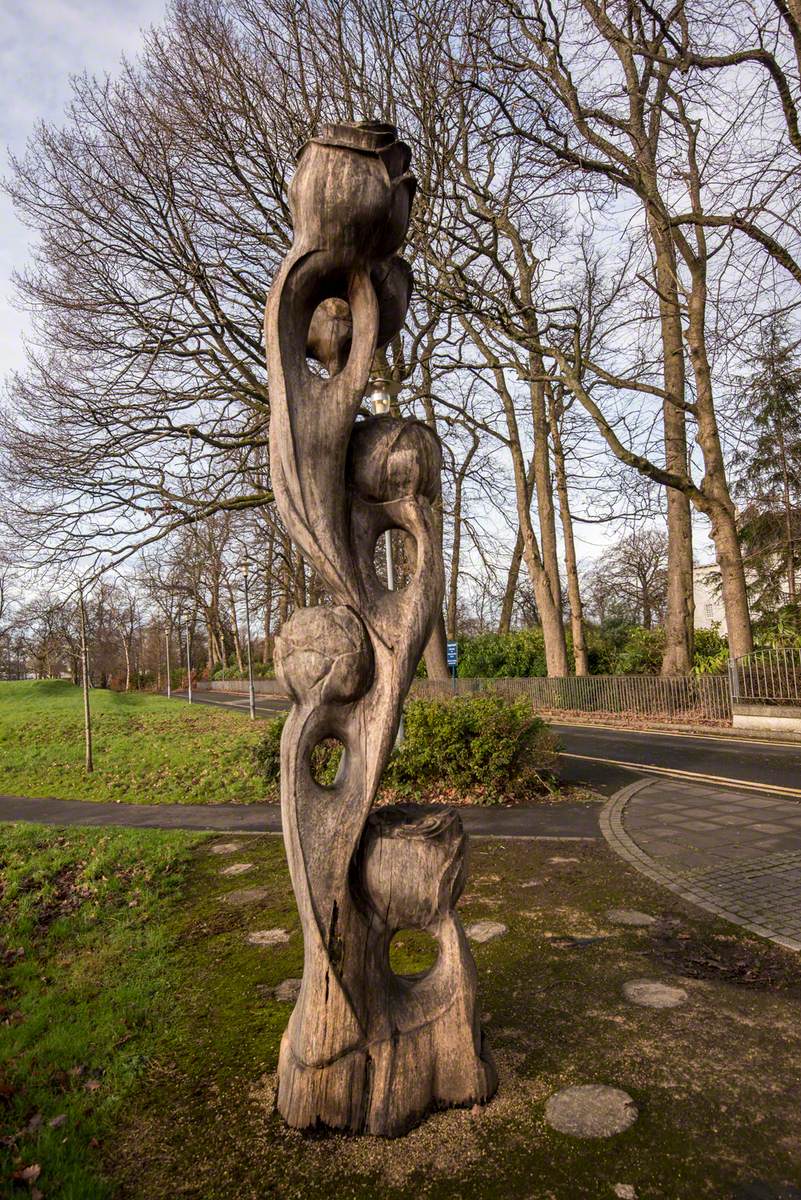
85	954
185	1081
147	749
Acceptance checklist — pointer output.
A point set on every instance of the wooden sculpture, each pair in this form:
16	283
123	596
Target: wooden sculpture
365	1049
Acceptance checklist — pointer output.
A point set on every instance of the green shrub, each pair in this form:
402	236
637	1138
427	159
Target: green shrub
493	655
711	652
642	653
325	758
780	629
483	744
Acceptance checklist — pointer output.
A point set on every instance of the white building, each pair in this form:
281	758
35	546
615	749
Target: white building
709	608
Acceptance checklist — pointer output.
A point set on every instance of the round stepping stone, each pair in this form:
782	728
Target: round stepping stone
485	931
245	896
625	1191
287	991
237	869
591	1110
225	848
630	916
652	993
268	937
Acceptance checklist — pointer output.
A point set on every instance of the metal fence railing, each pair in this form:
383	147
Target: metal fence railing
768	676
702	697
673	698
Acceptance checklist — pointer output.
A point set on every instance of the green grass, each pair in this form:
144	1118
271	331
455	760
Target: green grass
147	749
85	986
168	1007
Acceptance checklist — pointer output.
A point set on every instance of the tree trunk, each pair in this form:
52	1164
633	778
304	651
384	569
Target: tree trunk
513	574
543	484
715	488
548	606
788	513
269	584
580	660
680	601
456	544
435	653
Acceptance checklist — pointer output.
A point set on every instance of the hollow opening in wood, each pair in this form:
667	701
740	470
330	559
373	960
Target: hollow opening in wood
395	577
326	760
412	952
329	338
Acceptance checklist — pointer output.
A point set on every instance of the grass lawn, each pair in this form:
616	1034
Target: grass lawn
147	749
140	1014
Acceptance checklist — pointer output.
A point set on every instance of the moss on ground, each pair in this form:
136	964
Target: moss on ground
139	1013
716	1080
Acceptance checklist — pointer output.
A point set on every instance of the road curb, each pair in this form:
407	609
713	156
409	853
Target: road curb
612	828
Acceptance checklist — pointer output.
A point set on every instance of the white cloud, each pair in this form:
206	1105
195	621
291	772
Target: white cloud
43	44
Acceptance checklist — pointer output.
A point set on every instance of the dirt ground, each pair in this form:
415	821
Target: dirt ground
716	1080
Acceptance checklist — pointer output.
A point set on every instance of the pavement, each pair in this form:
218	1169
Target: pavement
560	821
728	851
604	756
715	819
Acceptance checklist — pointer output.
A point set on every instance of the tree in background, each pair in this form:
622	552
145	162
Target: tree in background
769	471
629	580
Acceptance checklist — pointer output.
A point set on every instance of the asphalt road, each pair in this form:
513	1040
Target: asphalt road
607	758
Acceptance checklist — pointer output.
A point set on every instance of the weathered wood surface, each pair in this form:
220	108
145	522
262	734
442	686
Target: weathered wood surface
364	1050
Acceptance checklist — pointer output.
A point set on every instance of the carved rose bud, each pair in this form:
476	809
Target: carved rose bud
324	653
352	190
411	868
389	458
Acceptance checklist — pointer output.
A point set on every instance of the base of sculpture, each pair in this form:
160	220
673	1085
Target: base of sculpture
422	1046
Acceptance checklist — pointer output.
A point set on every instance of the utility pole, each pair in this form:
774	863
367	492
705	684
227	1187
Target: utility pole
251	688
87	716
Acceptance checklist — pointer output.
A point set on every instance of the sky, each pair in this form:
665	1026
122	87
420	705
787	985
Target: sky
43	44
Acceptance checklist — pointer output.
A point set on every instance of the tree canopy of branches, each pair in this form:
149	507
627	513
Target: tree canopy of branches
608	203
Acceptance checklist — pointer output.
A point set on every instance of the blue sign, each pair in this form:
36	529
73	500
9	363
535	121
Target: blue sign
453	653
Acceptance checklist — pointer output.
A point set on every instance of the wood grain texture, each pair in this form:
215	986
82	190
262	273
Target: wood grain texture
365	1050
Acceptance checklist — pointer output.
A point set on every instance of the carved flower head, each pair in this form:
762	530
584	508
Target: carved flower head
389	458
353	191
324	654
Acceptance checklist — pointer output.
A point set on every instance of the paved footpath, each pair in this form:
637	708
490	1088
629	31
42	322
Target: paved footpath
566	820
731	852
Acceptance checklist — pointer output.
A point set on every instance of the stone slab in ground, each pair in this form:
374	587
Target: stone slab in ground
287	991
653	993
591	1110
485	931
630	916
225	848
237	869
245	896
268	937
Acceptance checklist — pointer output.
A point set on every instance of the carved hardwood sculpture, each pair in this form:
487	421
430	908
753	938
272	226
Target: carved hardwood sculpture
365	1050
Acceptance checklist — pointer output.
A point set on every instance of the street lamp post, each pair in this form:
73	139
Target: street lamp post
381	398
87	717
188	663
251	688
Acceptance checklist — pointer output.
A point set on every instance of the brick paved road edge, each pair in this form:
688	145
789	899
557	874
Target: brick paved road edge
611	822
